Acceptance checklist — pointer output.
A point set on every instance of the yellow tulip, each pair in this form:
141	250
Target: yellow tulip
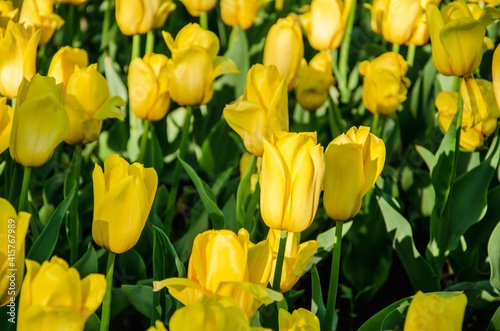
12	239
300	320
53	297
290	180
297	257
196	7
315	81
384	85
228	265
284	48
148	86
17	57
88	103
325	23
123	196
159	326
140	16
353	162
64	61
194	65
6	118
262	109
40	121
40	14
430	312
7	13
71	2
240	12
495	70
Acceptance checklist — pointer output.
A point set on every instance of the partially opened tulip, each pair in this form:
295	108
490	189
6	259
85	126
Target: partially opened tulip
353	162
17	57
299	320
430	312
240	12
40	121
290	180
196	7
261	110
64	61
54	297
123	196
229	265
40	14
140	16
13	228
6	118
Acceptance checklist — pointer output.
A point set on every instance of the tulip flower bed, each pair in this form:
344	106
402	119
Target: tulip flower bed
249	165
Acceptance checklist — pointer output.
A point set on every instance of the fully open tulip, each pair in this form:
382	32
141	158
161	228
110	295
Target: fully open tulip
261	110
140	16
123	196
384	85
325	23
53	296
7	13
6	118
242	12
228	265
13	228
194	65
315	81
284	48
297	257
40	14
292	173
353	162
88	103
299	320
17	57
64	61
430	312
40	121
148	86
196	7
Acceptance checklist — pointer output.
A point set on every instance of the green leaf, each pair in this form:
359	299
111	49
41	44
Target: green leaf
87	264
244	192
207	197
153	156
93	323
495	322
130	267
480	232
166	248
494	257
317	305
426	155
46	242
141	297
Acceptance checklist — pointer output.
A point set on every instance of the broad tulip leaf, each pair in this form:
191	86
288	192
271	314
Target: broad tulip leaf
153	156
130	267
317	305
494	257
165	248
141	297
244	192
93	323
495	322
87	264
426	155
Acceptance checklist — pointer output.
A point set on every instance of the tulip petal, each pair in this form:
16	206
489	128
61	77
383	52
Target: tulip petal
224	65
184	290
305	254
277	113
110	109
45	318
326	22
260	260
93	290
374	156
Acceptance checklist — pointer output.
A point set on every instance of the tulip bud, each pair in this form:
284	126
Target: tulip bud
88	103
13	228
140	16
353	162
300	320
196	7
17	57
243	12
297	257
6	118
431	312
290	180
53	297
325	23
40	14
64	61
284	48
148	86
262	109
384	85
315	81
7	13
40	121
123	196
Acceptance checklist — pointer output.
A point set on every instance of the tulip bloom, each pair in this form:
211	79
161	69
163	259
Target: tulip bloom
242	12
140	16
325	23
40	14
430	312
6	117
148	86
17	57
123	196
297	257
196	7
53	297
284	48
64	61
88	103
262	109
292	173
71	2
228	265
13	228
300	320
384	85
353	162
40	121
315	81
194	65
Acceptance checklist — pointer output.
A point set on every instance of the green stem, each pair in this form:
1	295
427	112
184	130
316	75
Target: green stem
105	25
136	46
410	55
69	25
395	48
334	278
376	117
23	199
144	142
106	304
73	216
382	127
204	20
456	84
172	196
344	54
279	261
150	41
